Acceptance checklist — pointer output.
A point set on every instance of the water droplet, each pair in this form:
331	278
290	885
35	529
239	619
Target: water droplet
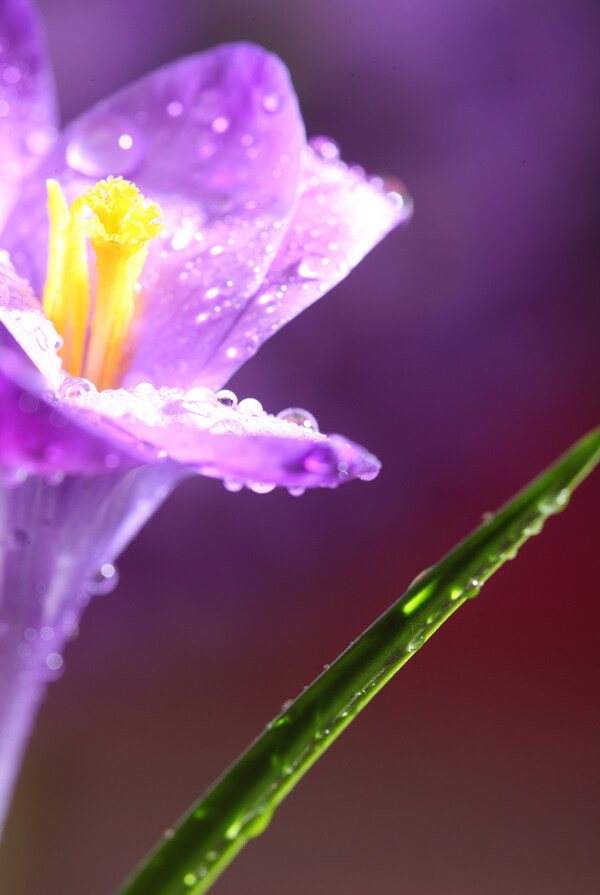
220	125
28	403
54	661
201	400
415	642
76	388
258	823
233	484
296	492
181	239
320	460
227	398
250	406
260	487
174	109
299	417
56	478
399	195
324	147
105	580
534	527
11	74
12	478
311	268
272	102
107	144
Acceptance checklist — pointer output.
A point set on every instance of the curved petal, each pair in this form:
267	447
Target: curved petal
231	442
64	426
340	216
37	435
27	104
23	317
216	139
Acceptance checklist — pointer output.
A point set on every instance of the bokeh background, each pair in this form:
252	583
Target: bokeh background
464	352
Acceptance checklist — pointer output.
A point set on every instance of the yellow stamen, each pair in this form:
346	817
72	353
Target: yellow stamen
66	293
122	225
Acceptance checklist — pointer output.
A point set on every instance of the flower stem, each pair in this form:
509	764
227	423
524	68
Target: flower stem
20	696
241	803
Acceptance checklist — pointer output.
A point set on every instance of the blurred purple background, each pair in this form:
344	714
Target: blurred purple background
464	352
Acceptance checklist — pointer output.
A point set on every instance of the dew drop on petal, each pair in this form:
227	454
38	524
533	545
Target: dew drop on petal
227	398
233	484
297	491
220	125
250	406
260	487
174	109
105	580
12	478
76	388
325	147
320	460
106	144
54	661
311	268
272	102
299	417
198	395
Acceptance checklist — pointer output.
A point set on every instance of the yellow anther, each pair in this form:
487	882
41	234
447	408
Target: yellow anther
122	219
119	230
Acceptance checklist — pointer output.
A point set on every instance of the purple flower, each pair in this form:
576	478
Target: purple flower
256	225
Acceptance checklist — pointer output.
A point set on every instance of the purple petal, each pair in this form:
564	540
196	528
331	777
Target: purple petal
216	440
55	536
341	215
37	435
27	105
216	139
58	427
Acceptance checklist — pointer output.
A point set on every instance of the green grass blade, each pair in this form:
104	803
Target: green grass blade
241	803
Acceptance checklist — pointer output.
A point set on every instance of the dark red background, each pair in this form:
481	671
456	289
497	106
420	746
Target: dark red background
464	352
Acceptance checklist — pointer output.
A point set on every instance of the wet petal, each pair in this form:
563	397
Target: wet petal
27	105
341	215
52	425
37	434
22	315
216	139
229	442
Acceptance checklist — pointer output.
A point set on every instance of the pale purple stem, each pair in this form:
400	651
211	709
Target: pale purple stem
57	534
21	692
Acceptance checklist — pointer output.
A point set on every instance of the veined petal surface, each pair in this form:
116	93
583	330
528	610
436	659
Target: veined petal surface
228	442
52	425
27	104
341	215
257	225
216	139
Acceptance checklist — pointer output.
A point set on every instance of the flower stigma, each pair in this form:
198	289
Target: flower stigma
96	333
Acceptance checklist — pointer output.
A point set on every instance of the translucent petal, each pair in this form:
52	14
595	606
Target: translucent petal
231	441
340	216
216	139
27	105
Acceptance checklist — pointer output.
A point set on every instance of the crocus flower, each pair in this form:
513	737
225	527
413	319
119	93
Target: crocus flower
122	317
